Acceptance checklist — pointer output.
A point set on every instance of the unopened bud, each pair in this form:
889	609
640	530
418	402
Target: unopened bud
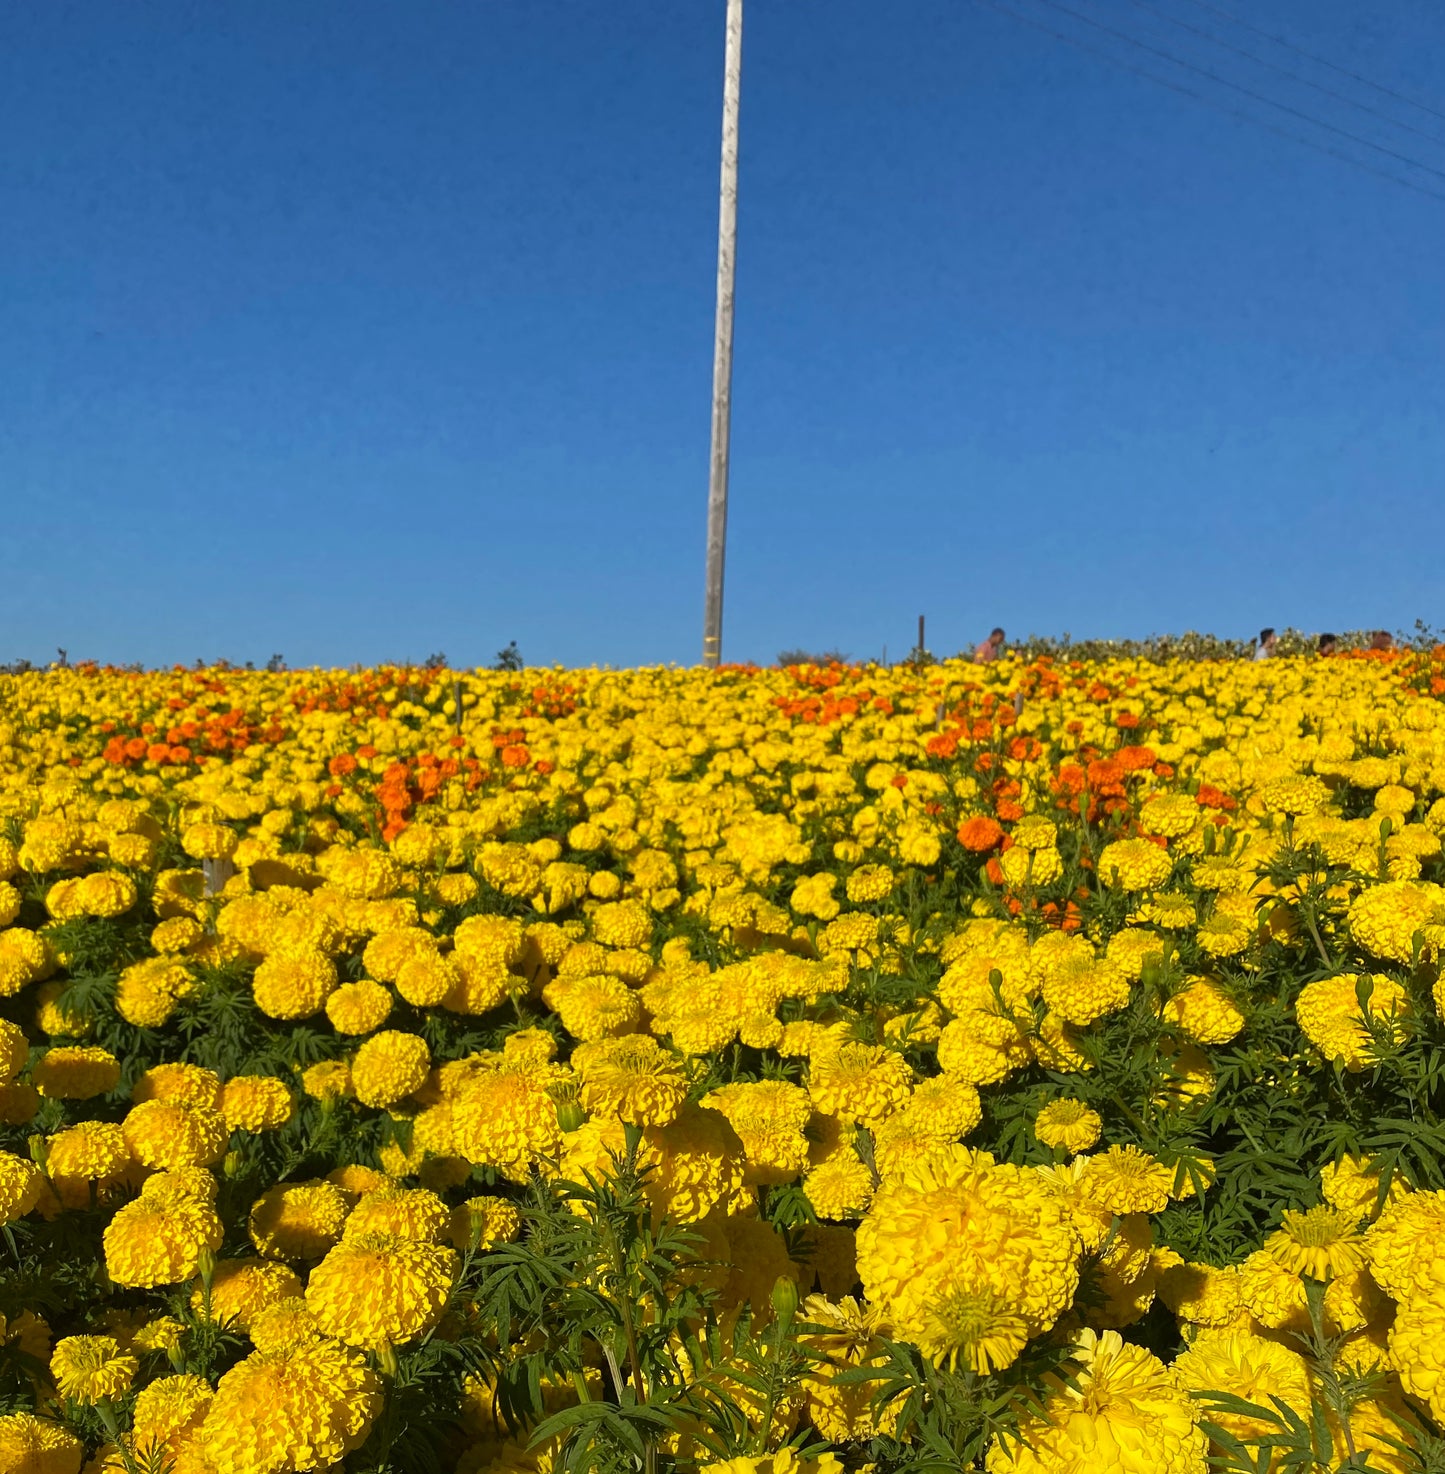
785	1298
39	1150
386	1359
1387	828
570	1114
231	1164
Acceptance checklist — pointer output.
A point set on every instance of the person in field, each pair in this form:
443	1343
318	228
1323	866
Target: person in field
992	647
1328	644
1267	642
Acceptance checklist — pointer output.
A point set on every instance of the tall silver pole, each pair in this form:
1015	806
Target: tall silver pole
722	360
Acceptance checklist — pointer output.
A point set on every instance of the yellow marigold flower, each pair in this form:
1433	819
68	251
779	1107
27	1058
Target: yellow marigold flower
1201	1294
31	1445
389	1066
483	1221
1204	1012
843	1335
1329	1015
294	985
1385	918
14	1050
164	1133
283	1324
504	1118
1240	1363
328	1080
1406	1246
1121	1411
256	1103
1272	1294
1222	935
176	934
242	1288
1417	1349
89	1151
869	883
1354	1186
300	1408
298	1220
961	1225
380	1289
859	1082
168	1418
840	1188
426	978
163	1334
24	958
20	1186
1068	1126
76	1072
1083	989
632	1077
1134	865
209	842
622	924
596	1006
1127	1180
785	1461
356	1181
813	896
405	1212
91	1369
1298	794
1322	1243
159	1240
54	1016
358	1008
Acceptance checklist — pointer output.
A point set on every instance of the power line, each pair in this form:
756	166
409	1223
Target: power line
1209	102
1320	60
1283	107
1344	97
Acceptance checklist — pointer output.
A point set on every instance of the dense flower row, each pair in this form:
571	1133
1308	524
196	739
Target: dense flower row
1033	1065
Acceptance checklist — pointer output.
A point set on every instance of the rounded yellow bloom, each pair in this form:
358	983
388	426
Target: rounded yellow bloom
167	1423
1121	1412
90	1369
1134	865
209	842
1127	1180
1204	1012
859	1082
76	1072
24	958
380	1289
1068	1126
1386	918
14	1050
1406	1247
1417	1349
390	1066
298	1220
977	1238
328	1080
1322	1243
358	1008
301	1408
1354	1186
186	1084
163	1133
1201	1294
1240	1363
20	1186
159	1240
596	1006
1331	1018
242	1288
840	1188
283	1324
256	1103
88	1152
294	985
632	1077
31	1445
622	924
483	1221
1297	794
405	1212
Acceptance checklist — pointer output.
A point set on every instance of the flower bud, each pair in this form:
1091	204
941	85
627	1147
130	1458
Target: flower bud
570	1114
785	1298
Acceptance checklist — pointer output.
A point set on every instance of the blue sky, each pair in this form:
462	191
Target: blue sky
360	331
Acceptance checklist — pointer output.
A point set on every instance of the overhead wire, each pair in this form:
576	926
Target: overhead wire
1210	102
1323	61
1228	45
1239	87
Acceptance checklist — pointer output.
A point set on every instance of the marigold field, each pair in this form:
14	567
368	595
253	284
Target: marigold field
1024	1067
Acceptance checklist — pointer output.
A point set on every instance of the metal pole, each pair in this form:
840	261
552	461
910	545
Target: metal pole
722	361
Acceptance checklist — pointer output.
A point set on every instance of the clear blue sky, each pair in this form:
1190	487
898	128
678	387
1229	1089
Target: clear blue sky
358	331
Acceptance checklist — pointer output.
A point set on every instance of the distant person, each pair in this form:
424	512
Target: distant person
1381	640
992	647
1327	644
1267	641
